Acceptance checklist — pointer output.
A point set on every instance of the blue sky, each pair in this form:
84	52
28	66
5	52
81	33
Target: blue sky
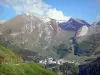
6	13
83	9
87	10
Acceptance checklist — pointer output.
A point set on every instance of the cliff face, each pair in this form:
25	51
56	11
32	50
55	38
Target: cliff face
75	47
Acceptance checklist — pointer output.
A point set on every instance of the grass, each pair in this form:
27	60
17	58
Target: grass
24	69
13	65
9	56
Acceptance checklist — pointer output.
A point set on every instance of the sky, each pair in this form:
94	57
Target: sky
88	10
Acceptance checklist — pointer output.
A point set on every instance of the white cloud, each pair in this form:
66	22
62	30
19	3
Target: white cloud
23	6
34	7
98	16
56	14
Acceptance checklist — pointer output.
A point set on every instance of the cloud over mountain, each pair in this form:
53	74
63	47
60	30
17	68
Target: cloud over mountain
37	7
56	14
25	6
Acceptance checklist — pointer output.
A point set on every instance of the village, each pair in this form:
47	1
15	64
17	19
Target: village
59	61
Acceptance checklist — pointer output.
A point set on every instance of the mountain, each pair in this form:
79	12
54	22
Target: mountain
96	23
2	21
32	32
42	35
36	33
90	44
92	68
73	24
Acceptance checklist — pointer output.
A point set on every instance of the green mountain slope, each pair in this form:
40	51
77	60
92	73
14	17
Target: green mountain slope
11	64
23	69
9	56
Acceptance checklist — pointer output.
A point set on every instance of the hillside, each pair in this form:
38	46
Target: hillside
91	43
31	32
12	64
8	56
23	69
92	68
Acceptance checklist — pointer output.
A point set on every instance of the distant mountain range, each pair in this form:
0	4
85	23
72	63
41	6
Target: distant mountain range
73	24
41	34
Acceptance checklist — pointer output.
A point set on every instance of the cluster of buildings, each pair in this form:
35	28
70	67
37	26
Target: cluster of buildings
54	61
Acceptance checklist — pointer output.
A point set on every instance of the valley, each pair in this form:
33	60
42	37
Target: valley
26	40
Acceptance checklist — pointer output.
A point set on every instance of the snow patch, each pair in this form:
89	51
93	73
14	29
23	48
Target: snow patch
45	19
14	34
82	31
